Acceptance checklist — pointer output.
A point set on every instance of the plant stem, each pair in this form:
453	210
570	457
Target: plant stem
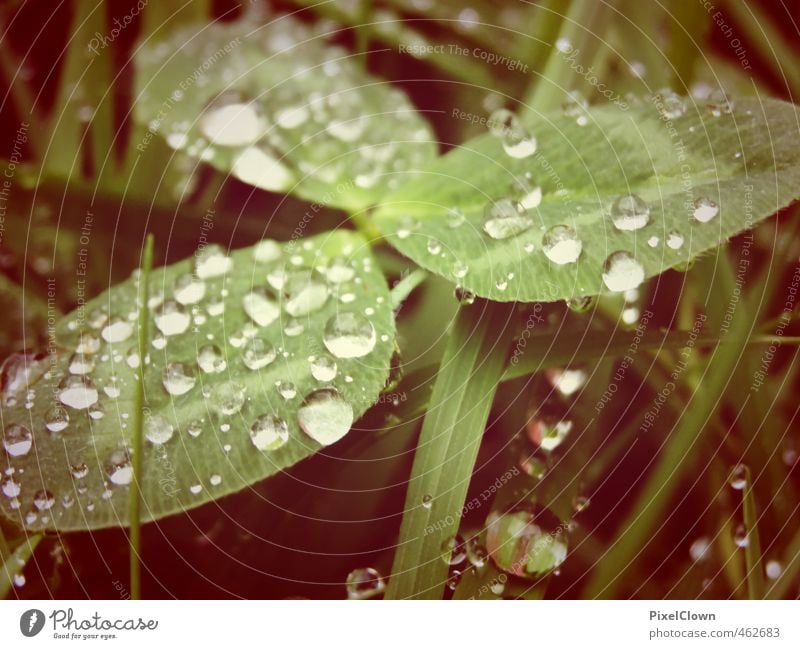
11	564
406	286
134	502
469	373
752	552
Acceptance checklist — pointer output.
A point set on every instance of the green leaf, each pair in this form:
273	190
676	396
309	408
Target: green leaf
14	563
277	107
330	282
445	457
745	161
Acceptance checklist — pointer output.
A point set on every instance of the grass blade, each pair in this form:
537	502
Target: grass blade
134	503
752	552
16	560
451	433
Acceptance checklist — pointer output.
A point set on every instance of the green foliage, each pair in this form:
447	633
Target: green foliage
235	356
744	162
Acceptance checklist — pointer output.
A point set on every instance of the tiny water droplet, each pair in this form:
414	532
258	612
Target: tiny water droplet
675	240
704	210
427	501
189	289
286	389
77	392
172	319
738	477
741	537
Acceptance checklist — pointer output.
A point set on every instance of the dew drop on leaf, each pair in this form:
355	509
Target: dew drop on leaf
364	583
704	210
178	378
561	245
157	429
504	220
325	416
257	353
77	392
269	433
629	212
621	272
349	335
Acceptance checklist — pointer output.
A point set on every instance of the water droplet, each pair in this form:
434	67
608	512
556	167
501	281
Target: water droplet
773	569
719	103
81	364
119	468
215	480
580	304
670	104
463	295
454	551
741	537
548	432
211	261
88	343
453	579
79	471
229	397
504	219
339	271
195	428
476	553
704	210
521	543
561	245
260	168
675	240
189	289
172	319
580	503
738	477
427	501
157	429
323	367
229	121
653	241
460	269
19	580
10	488
325	416
621	272
178	378
210	359
132	358
117	330
517	141
258	353
266	251
533	467
364	583
455	218
434	247
293	328
304	292
43	500
269	433
567	381
261	308
77	392
629	212
286	389
700	548
349	335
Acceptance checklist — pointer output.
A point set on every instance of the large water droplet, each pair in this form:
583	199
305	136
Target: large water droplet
267	251
210	359
43	500
548	432
364	583
621	272
189	289
77	392
741	536
119	468
517	141
504	219
261	308
211	261
629	212
269	433
172	319
158	429
229	121
349	335
56	419
738	477
561	245
258	353
520	544
81	364
304	292
339	271
178	378
229	397
88	343
454	551
323	367
17	440
704	210
259	167
117	330
325	416
674	240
